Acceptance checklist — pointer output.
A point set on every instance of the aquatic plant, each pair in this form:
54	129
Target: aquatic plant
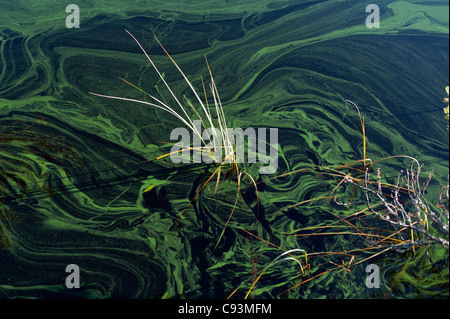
216	122
289	255
446	100
389	224
403	203
413	216
397	217
222	155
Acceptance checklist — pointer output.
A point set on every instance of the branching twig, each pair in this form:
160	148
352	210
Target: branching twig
414	214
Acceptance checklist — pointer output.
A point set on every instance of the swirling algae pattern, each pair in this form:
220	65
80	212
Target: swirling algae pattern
75	170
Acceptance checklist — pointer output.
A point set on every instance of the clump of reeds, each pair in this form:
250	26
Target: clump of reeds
214	121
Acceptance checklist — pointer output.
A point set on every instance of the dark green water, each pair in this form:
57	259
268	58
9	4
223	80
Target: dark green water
75	166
